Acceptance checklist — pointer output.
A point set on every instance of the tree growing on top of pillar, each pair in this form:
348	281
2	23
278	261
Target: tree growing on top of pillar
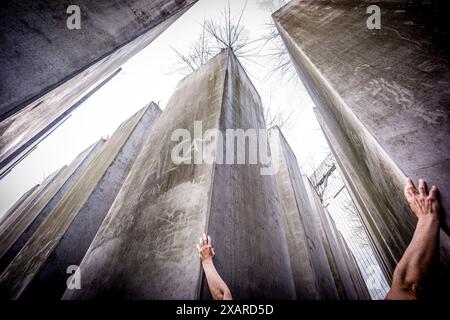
216	36
225	33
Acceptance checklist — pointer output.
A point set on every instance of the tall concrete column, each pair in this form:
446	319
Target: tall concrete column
48	69
382	98
346	273
145	249
311	269
27	217
61	240
322	265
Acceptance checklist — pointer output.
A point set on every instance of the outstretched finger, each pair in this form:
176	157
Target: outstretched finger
201	241
433	192
410	189
422	188
209	241
205	240
198	248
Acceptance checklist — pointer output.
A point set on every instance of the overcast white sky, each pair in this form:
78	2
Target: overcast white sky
150	76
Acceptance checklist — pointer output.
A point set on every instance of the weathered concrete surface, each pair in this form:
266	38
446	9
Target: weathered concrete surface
32	216
71	225
14	216
383	97
310	266
47	68
346	274
323	266
145	248
245	217
23	200
361	289
50	281
20	147
382	246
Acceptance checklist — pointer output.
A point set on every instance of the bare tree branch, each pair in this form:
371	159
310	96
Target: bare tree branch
224	33
278	55
276	117
216	36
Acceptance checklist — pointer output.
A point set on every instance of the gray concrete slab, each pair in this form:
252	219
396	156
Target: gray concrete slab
322	265
50	281
245	218
33	256
310	266
308	217
25	198
145	248
32	216
382	96
337	253
47	68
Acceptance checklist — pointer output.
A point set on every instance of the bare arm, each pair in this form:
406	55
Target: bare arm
410	273
219	289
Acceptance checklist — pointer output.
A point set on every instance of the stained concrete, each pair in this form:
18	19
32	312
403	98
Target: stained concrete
22	207
32	216
23	200
145	248
23	148
47	68
357	279
382	97
322	265
347	277
311	270
50	281
71	225
245	215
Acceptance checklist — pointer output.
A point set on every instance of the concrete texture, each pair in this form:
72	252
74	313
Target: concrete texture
360	286
346	274
11	157
23	200
382	98
245	216
71	225
311	270
50	281
322	265
47	68
145	248
32	216
12	217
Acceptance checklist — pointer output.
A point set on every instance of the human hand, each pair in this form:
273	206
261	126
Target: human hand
205	249
423	204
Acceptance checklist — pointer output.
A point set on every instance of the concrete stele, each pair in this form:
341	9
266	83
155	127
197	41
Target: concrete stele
34	254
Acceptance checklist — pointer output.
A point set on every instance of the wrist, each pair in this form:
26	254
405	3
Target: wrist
207	261
430	218
430	221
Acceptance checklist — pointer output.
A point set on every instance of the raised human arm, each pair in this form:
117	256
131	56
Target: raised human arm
410	274
218	287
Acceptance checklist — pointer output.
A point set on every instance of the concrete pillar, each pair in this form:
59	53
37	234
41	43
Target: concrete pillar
346	274
361	288
145	248
39	269
48	68
382	97
23	200
310	266
322	265
24	221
